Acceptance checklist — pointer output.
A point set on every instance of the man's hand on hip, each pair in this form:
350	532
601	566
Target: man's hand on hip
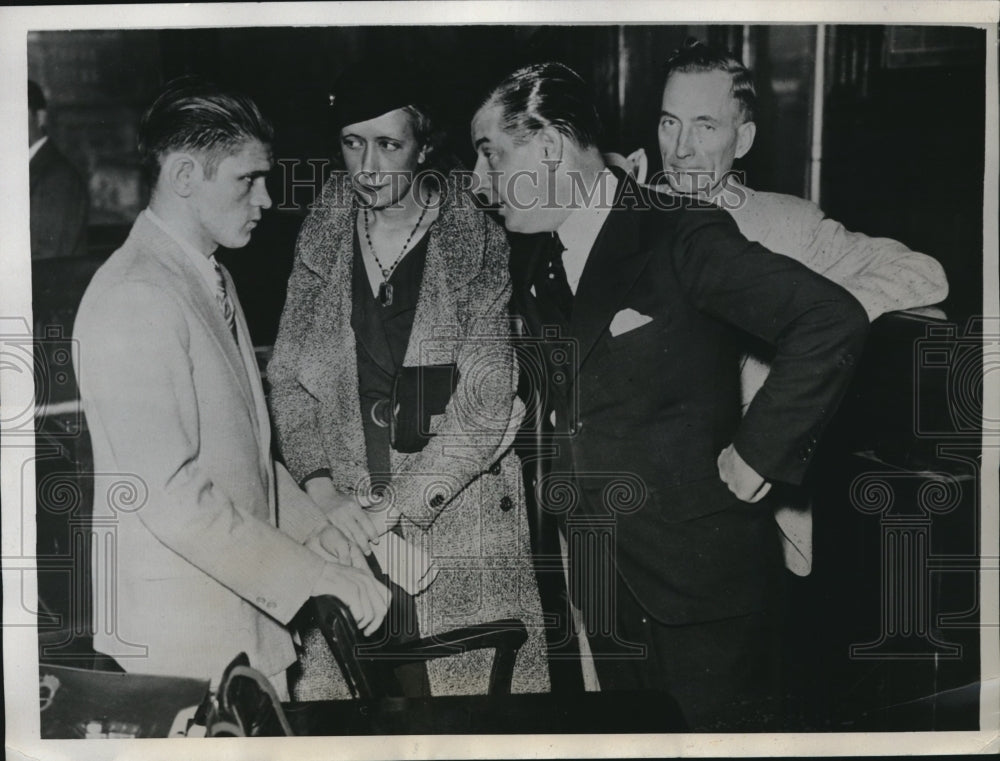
743	481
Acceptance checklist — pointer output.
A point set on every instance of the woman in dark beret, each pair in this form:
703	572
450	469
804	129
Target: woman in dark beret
396	268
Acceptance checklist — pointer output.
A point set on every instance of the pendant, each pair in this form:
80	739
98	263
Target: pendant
385	294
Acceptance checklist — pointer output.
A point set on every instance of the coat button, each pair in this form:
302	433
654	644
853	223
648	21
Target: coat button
437	500
506	504
495	468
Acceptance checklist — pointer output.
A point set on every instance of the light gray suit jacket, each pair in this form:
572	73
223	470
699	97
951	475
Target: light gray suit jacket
190	568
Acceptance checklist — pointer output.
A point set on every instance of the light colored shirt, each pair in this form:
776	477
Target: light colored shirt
36	146
204	264
580	229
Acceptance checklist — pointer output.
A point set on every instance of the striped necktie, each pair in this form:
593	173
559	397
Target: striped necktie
225	302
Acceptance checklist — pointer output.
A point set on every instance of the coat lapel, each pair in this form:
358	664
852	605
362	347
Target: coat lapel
252	371
39	163
332	374
613	266
208	311
449	267
359	280
526	251
447	270
204	305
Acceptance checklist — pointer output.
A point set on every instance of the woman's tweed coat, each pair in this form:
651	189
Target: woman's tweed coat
478	534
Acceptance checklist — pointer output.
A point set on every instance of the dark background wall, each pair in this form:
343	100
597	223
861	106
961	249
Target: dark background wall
902	139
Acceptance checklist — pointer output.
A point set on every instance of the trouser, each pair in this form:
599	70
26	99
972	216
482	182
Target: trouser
725	674
401	626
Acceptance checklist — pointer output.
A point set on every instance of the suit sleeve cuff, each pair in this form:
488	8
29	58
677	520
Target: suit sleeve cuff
318	473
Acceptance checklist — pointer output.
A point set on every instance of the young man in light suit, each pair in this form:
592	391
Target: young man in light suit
630	298
208	558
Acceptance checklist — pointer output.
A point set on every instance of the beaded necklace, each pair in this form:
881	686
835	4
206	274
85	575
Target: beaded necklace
385	289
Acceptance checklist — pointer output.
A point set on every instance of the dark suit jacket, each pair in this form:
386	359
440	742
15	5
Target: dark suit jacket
59	205
642	416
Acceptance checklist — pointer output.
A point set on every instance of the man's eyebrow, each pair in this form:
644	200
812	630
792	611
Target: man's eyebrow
702	118
480	141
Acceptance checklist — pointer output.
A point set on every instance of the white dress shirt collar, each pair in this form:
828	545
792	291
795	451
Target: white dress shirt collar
580	229
36	146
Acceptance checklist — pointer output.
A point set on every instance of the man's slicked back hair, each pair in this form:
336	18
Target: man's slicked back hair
696	56
546	95
191	114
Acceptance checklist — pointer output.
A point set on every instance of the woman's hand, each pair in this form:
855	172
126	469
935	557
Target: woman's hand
381	515
344	511
331	544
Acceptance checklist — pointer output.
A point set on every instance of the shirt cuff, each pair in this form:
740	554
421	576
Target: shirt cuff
320	472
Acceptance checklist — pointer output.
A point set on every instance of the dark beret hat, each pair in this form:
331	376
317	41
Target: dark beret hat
371	88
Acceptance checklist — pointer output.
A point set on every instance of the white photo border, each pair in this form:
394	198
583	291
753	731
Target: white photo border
20	643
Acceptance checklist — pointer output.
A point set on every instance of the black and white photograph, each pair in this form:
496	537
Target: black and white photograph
481	379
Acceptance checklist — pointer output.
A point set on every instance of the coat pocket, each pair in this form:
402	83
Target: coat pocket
692	500
640	338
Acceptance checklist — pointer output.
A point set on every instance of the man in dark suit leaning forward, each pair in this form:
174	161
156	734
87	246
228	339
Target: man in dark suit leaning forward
633	298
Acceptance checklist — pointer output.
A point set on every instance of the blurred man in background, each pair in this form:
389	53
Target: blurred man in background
59	200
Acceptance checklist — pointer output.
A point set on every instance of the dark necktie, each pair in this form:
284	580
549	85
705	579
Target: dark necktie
225	302
554	282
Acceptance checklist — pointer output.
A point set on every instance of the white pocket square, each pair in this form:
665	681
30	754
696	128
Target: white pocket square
626	320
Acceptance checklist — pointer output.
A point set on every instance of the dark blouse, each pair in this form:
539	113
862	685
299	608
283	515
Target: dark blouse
382	334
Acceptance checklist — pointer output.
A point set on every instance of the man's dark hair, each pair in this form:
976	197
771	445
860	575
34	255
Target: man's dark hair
193	115
546	95
696	56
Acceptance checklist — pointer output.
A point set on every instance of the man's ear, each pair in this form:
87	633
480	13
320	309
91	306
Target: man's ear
745	134
552	142
181	171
